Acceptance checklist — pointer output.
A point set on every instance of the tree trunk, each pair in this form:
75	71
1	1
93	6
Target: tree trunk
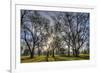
76	53
68	50
53	53
47	55
73	52
32	54
39	50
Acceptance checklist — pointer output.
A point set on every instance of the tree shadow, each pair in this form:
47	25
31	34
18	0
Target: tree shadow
26	58
84	57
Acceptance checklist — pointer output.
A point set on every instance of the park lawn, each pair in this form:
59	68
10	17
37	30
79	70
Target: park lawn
27	59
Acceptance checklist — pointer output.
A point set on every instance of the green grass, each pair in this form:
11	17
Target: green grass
27	59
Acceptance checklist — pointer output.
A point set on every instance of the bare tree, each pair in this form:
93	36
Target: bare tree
79	30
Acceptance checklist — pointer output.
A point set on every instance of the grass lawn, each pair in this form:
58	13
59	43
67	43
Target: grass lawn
27	59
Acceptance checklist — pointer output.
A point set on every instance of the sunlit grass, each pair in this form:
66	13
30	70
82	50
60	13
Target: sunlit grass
42	58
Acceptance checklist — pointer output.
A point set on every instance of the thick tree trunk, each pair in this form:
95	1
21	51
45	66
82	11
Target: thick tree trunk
77	53
33	53
53	54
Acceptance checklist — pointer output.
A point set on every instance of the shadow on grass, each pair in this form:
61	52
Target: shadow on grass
27	59
85	57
